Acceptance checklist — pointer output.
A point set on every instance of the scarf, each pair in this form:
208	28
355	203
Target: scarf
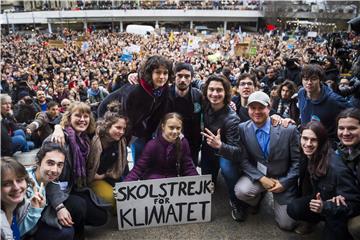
80	147
150	90
93	93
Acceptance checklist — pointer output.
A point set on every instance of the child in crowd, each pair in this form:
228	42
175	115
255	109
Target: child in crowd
168	155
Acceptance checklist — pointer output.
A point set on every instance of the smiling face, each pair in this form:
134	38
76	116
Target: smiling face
13	188
258	113
79	121
41	96
309	142
171	129
348	131
160	76
216	93
117	130
50	167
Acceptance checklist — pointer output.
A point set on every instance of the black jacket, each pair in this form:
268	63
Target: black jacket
339	180
227	121
190	108
143	110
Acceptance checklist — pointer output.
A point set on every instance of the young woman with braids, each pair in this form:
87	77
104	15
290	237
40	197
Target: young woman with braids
168	155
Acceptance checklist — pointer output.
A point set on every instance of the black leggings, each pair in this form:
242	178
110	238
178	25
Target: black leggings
335	226
84	212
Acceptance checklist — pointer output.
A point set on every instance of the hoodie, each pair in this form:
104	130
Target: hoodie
324	109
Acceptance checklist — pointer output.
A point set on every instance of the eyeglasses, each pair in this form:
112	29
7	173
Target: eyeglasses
243	84
311	79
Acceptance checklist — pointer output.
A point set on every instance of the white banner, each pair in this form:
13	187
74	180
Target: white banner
159	202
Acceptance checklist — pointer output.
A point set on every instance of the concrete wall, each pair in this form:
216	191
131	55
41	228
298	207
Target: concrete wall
43	17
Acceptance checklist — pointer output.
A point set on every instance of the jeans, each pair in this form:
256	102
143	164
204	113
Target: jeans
211	163
136	148
19	142
44	231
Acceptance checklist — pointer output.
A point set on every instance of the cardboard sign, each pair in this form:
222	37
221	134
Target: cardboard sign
241	49
159	202
312	34
253	51
56	44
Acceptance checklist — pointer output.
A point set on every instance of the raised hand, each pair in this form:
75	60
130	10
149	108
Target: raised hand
316	205
212	140
38	200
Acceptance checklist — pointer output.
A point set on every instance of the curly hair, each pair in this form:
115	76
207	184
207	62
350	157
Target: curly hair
290	85
226	84
82	108
109	119
153	62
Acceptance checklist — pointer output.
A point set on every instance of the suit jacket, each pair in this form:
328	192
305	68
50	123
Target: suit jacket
282	162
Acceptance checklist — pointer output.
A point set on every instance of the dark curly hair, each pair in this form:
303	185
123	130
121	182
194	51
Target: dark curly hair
226	84
152	63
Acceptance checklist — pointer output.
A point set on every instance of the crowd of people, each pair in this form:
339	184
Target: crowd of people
284	121
145	4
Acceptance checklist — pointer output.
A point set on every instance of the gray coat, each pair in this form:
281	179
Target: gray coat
282	163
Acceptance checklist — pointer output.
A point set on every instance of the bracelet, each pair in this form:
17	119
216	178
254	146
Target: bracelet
58	208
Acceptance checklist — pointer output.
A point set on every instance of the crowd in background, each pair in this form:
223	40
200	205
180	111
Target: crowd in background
61	88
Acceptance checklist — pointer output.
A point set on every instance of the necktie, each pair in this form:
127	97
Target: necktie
263	140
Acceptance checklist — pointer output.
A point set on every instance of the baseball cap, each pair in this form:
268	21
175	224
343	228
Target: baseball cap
259	97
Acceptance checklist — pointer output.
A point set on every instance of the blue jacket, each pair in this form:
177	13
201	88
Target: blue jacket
325	109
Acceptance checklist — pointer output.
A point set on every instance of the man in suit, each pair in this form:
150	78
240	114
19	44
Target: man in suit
273	159
268	155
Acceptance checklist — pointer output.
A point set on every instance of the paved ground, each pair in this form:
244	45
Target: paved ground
222	226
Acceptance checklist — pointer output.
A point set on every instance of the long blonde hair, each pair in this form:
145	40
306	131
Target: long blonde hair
82	108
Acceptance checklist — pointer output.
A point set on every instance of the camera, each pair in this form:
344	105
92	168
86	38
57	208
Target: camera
317	60
352	89
28	100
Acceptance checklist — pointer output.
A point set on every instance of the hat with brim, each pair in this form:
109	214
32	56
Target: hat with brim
259	97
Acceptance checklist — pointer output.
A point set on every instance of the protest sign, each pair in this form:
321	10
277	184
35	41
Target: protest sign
253	51
161	202
241	49
312	34
56	44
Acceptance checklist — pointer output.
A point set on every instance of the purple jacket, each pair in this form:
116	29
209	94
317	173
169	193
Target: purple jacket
158	161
